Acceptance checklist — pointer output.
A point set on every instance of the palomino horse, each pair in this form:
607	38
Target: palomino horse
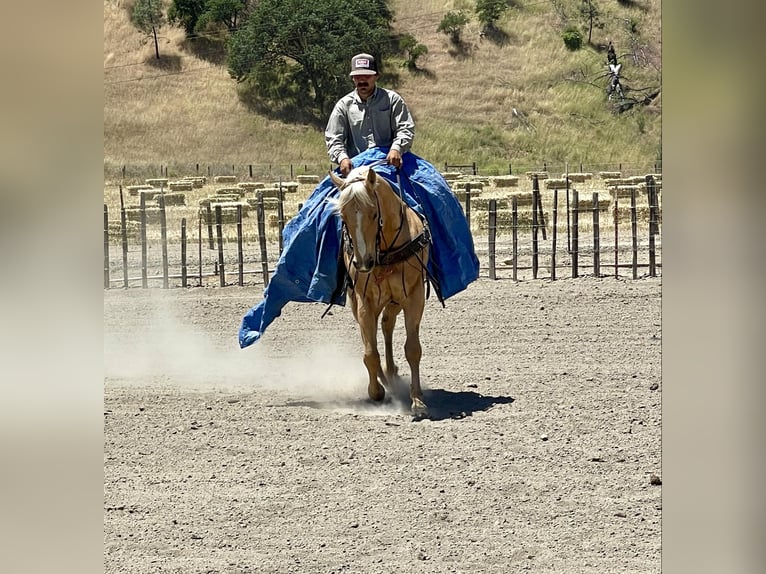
386	248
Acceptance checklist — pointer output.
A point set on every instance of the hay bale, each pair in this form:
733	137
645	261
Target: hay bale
157	181
134	214
228	211
287	186
624	191
471	184
236	191
578	177
614	182
206	201
556	183
173	198
181	185
307	179
482	203
505	181
132	231
539	174
452	175
273	220
269	203
523	198
198	181
503	220
134	189
610	174
603	201
251	185
225	179
149	194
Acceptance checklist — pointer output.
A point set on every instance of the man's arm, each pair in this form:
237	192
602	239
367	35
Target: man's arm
402	124
335	134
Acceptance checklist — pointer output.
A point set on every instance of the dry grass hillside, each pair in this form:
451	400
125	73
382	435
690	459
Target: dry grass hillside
185	109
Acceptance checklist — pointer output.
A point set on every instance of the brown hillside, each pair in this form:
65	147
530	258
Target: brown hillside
184	108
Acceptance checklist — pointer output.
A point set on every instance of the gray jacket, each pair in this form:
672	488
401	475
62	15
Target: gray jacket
354	126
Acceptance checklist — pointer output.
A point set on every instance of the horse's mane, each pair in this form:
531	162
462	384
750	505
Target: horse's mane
355	190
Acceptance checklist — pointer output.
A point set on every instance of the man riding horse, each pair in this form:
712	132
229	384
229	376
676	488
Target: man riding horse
369	126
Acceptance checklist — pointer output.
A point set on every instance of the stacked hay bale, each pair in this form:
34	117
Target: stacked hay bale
578	177
504	181
133	213
157	182
307	179
225	179
452	176
198	181
557	183
132	231
181	185
133	190
251	185
460	187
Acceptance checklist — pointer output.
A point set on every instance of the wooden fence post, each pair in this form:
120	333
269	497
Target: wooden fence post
199	245
554	232
515	236
535	199
124	233
262	240
240	258
468	203
616	236
142	209
651	191
575	233
281	214
596	238
163	238
184	281
106	247
491	233
219	235
633	231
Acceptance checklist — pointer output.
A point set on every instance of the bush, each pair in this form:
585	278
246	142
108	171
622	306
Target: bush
572	38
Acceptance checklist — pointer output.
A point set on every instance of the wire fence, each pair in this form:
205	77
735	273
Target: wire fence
202	232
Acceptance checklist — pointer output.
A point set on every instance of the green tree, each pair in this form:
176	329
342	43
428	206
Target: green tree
489	11
592	16
147	17
222	12
199	16
414	50
290	52
452	25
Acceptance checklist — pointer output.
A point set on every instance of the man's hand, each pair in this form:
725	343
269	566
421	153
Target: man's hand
345	166
394	158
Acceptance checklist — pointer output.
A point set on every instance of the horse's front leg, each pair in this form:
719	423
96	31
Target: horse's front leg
388	322
413	351
368	325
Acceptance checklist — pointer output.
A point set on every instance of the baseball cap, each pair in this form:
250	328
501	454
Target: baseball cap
363	65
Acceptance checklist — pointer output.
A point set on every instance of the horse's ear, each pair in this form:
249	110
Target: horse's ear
372	177
337	180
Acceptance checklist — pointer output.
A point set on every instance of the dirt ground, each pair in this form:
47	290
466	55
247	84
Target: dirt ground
542	452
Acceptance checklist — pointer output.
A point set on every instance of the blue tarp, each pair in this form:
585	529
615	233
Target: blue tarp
307	270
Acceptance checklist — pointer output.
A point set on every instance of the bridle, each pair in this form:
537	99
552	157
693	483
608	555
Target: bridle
391	256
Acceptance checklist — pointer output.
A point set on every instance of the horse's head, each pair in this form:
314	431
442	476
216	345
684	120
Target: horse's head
359	208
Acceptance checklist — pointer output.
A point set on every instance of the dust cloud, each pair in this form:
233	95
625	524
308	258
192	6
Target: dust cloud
160	349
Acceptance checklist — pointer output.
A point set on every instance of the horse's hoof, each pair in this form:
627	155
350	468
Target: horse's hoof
377	394
419	410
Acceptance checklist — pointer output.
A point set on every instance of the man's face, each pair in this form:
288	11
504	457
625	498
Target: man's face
365	85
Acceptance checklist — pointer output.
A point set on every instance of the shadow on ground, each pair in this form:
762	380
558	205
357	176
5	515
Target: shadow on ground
442	404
